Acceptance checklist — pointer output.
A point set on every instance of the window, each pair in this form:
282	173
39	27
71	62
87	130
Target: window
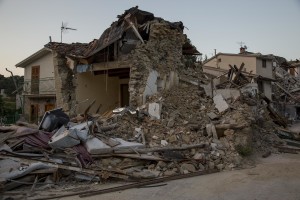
35	79
264	63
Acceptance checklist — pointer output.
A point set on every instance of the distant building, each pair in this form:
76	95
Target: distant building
255	63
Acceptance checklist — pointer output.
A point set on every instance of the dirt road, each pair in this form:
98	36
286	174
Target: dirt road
276	177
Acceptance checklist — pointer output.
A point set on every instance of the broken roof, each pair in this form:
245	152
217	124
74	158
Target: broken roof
115	32
74	49
117	28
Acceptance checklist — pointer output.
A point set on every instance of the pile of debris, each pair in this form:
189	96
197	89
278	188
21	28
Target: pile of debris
181	131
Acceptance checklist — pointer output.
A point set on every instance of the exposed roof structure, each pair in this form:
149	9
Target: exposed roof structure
131	17
115	32
74	49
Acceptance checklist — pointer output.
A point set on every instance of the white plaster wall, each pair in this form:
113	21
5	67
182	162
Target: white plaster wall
226	60
46	67
156	83
151	85
267	87
213	71
96	87
264	71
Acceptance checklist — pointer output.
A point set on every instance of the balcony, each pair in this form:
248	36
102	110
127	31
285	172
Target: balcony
43	86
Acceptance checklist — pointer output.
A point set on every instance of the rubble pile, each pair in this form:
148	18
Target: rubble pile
178	131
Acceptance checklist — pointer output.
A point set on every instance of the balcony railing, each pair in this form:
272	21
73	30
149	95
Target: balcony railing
39	86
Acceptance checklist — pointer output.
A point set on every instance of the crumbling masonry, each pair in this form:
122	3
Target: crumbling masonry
146	50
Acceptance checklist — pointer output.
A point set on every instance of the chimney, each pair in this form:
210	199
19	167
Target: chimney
242	50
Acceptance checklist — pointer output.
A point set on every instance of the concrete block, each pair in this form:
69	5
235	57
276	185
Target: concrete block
154	110
220	103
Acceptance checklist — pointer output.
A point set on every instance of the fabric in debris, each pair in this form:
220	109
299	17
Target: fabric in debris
39	139
83	155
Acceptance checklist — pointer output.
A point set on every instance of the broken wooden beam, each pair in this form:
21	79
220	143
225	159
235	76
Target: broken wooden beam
132	185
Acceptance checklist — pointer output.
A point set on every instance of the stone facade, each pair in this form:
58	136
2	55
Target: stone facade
150	48
162	53
64	84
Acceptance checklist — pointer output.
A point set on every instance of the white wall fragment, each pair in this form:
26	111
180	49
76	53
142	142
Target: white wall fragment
220	103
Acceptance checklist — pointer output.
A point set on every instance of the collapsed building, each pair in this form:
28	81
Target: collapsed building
176	132
137	56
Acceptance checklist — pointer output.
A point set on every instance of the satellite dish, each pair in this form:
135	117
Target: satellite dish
64	29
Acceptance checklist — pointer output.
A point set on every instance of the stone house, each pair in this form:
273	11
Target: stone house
137	56
255	63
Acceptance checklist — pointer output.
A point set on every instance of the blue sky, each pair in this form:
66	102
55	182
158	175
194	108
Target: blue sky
265	26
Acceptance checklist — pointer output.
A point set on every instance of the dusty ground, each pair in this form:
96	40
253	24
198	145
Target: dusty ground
276	177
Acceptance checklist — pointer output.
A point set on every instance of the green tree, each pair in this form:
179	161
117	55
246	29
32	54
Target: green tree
7	84
1	106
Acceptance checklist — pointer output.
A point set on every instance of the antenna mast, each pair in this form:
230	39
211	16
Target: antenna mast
65	28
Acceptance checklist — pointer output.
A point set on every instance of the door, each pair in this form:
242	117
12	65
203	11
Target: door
35	79
34	113
124	95
49	106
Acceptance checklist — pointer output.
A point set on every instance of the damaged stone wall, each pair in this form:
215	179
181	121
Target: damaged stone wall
162	53
65	89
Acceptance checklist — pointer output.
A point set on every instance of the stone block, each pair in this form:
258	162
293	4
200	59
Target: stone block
188	167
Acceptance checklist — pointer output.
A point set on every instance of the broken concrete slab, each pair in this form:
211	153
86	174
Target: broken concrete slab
220	103
154	110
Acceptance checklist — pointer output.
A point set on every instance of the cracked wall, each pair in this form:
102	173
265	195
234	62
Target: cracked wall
162	53
64	84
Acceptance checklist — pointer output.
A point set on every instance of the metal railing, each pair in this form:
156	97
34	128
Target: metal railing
39	86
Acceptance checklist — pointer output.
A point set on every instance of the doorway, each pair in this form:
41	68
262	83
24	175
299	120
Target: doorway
34	111
124	95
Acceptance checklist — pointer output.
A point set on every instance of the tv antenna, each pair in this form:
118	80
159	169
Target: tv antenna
64	28
242	45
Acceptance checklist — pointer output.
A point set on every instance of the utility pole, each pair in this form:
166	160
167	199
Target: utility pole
16	86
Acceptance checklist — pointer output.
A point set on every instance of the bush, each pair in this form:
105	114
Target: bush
244	150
